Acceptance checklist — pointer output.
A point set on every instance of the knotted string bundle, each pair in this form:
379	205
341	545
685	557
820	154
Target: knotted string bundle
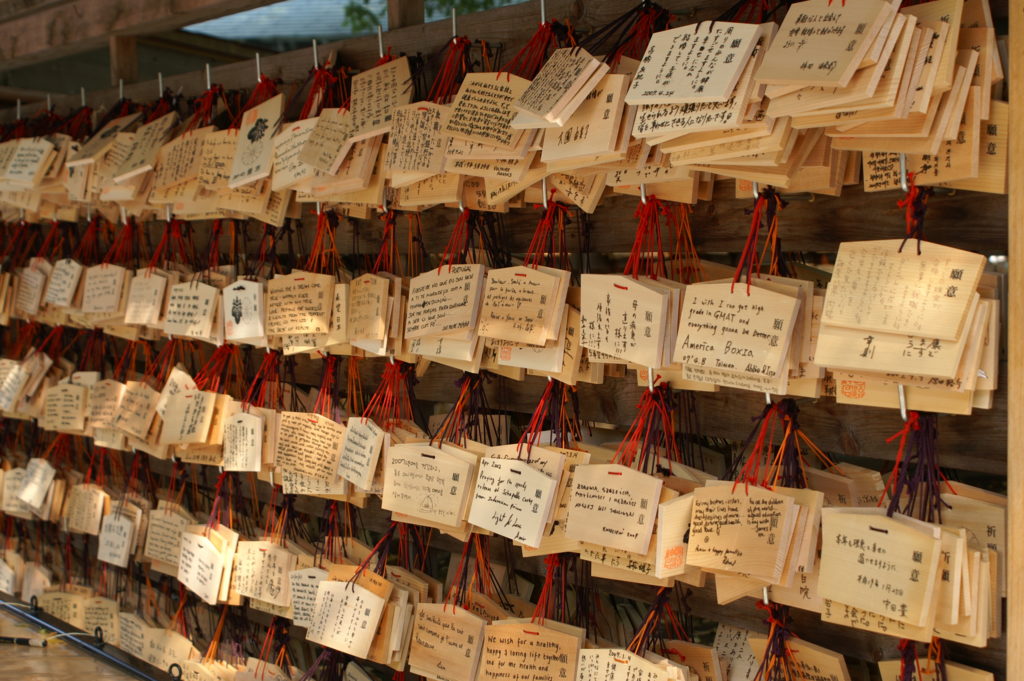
763	217
914	205
651	437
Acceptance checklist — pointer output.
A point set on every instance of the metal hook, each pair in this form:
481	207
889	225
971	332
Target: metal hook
767	397
650	379
544	192
757	189
259	71
160	83
167	212
643	193
319	208
380	40
208	84
316	57
462	207
543	13
903	401
904	184
124	216
455	29
764	595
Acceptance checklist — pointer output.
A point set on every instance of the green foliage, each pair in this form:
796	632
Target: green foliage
361	19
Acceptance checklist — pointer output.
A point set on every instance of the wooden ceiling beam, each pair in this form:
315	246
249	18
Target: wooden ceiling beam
509	28
58	30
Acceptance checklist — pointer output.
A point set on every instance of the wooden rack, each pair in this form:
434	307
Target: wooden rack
984	442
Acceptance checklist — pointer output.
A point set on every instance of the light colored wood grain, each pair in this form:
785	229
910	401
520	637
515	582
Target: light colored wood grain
1015	388
59	660
86	24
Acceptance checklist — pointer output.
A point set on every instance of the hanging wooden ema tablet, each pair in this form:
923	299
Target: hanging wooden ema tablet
416	146
146	144
200	564
446	642
741	529
928	293
254	143
444	302
613	506
100	143
512	499
29	160
375	94
522	650
808	661
482	111
565	80
261	571
191	307
348	610
820	44
329	142
360	452
299	303
426	483
696	63
923	327
896	563
243	441
309	445
288	168
178	160
732	337
623	317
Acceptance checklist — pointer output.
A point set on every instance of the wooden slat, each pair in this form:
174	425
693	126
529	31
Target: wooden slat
970	443
508	27
214	49
966	220
12	9
402	13
9	95
1015	389
124	59
82	25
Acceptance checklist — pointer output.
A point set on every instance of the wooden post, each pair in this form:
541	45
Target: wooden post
1015	363
124	59
402	13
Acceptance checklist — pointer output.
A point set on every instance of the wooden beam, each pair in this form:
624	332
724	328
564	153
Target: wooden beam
83	25
9	95
402	13
721	225
1015	388
124	59
214	49
12	9
507	27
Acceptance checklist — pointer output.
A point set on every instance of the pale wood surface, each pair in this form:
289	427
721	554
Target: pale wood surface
1015	389
51	31
124	59
403	13
58	660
